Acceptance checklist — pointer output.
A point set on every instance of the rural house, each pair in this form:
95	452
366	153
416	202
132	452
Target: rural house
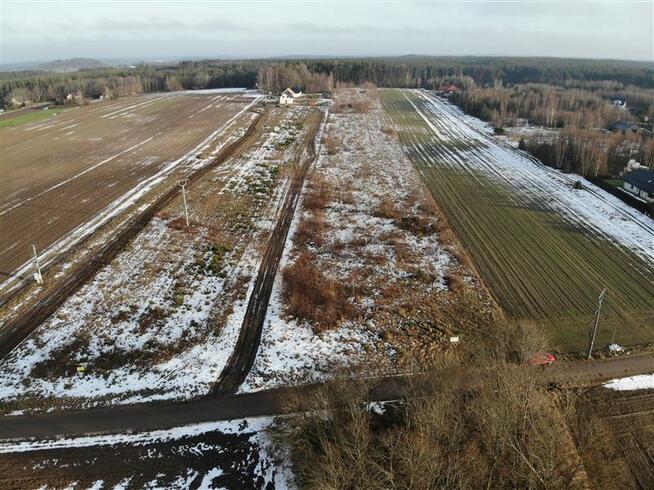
449	89
640	182
622	126
288	96
620	104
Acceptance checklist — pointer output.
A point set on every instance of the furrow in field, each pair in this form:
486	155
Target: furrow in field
545	249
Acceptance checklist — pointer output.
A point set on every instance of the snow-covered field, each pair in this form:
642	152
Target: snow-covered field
532	181
365	248
160	321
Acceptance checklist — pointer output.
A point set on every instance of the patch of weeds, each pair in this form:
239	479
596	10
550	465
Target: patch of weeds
421	275
155	314
285	143
63	361
218	254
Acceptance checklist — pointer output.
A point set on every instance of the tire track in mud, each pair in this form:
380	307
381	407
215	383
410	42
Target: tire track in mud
19	328
245	351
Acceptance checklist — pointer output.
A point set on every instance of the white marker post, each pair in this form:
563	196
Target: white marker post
183	184
38	277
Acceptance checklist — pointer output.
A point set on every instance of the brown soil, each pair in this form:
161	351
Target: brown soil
41	155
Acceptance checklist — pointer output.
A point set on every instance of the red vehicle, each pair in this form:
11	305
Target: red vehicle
542	359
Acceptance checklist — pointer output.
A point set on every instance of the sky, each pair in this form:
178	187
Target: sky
40	31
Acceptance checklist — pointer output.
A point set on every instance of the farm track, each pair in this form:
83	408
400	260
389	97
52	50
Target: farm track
240	362
541	261
230	406
17	329
64	177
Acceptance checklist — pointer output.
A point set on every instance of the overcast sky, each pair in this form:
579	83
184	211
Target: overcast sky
142	30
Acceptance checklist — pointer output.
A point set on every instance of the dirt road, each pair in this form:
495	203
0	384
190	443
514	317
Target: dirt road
270	402
240	362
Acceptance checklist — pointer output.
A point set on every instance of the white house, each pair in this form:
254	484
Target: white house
620	104
288	96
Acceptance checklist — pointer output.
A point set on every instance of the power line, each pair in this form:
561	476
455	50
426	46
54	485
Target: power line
593	330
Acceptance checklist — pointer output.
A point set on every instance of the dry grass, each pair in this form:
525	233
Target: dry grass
313	297
318	193
310	231
387	209
331	143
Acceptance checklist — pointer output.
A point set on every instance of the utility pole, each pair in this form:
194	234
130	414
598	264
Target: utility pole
593	330
37	268
183	184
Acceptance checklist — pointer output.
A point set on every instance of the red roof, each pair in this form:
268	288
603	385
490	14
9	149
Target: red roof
449	88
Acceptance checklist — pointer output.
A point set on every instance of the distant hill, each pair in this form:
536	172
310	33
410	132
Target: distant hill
65	66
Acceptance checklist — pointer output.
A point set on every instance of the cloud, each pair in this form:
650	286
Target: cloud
581	29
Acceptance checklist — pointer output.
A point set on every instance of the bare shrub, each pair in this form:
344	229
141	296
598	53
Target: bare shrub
504	433
511	341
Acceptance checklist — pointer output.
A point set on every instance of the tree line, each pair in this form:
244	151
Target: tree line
320	75
22	88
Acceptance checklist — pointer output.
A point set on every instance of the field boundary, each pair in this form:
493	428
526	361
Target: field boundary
19	328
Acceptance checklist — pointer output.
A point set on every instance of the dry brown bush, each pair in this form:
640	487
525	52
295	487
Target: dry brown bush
390	131
178	223
318	193
387	209
313	297
454	282
331	143
310	231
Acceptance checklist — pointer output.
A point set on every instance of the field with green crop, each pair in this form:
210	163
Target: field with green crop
545	249
29	117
